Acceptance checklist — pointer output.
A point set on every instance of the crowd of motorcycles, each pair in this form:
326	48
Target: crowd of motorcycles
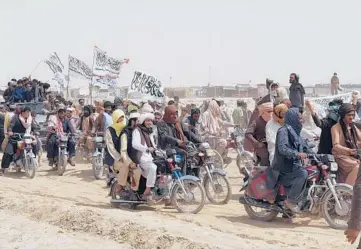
205	173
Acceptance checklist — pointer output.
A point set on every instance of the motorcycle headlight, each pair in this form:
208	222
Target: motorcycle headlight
98	139
210	152
334	166
28	141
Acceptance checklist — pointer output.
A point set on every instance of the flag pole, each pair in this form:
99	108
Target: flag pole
68	81
91	80
37	65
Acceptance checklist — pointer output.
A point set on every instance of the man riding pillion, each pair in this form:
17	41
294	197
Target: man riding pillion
58	124
144	144
112	141
22	124
126	163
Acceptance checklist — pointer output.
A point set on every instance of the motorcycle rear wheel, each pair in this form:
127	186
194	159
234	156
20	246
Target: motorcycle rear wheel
98	167
62	161
269	214
30	167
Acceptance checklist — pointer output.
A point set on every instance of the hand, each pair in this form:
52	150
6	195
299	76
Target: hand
355	95
151	149
180	143
302	156
132	165
351	235
308	103
260	145
353	152
10	133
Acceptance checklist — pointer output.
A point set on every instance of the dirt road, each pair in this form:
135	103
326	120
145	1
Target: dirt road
74	210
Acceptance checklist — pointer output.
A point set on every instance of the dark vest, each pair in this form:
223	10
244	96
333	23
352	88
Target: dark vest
108	159
18	126
133	154
260	131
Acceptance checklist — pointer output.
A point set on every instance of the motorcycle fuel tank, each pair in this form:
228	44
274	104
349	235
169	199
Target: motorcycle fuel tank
313	172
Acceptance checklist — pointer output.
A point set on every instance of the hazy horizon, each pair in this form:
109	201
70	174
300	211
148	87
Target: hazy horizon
239	40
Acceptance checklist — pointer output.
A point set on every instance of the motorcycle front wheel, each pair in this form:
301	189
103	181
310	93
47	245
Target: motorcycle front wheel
332	212
62	161
183	193
218	190
30	166
98	167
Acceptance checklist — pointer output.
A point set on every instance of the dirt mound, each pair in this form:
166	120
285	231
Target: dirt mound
78	219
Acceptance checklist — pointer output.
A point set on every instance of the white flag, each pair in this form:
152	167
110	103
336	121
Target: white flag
110	82
54	63
79	67
146	85
105	65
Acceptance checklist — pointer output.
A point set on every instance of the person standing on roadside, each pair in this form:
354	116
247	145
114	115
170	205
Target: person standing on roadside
297	92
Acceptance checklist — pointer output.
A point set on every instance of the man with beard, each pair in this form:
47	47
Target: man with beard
256	133
21	123
80	107
191	126
325	145
297	92
104	118
269	98
58	124
85	126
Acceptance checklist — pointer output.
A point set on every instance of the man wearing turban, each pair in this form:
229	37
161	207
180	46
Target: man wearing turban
256	133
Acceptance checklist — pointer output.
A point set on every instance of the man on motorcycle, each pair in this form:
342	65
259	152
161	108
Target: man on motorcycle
126	164
256	133
144	145
104	118
191	126
112	141
85	126
286	168
59	124
22	124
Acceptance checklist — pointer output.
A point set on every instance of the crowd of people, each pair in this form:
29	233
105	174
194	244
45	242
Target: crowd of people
274	132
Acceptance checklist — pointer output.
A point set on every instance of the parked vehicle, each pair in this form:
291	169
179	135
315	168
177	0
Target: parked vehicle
323	195
170	185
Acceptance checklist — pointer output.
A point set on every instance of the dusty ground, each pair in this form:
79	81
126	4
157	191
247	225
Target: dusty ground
73	211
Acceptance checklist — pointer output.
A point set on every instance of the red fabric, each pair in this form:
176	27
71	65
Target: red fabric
257	187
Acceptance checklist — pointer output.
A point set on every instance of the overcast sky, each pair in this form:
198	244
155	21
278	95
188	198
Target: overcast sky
240	40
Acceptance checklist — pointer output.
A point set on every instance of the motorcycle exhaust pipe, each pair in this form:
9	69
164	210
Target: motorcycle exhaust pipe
124	201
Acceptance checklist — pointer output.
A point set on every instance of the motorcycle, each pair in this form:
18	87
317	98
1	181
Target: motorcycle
81	152
322	194
169	185
24	158
62	152
200	163
98	155
244	158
